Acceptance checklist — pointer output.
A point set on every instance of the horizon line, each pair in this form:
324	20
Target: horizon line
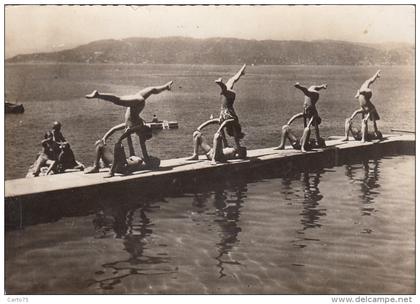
207	38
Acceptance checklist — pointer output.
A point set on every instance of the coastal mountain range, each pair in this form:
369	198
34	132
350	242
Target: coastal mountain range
182	50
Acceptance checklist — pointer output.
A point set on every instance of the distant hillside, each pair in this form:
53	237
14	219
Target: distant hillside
228	51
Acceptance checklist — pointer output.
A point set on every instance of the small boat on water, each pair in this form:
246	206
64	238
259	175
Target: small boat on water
162	124
13	108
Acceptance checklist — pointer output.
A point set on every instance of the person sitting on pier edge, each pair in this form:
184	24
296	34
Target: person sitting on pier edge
65	159
305	143
219	152
363	133
47	157
133	122
309	109
105	158
364	95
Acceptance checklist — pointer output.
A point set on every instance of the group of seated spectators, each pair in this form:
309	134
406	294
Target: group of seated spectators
56	155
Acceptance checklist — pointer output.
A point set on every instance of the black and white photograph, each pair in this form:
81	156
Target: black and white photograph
210	150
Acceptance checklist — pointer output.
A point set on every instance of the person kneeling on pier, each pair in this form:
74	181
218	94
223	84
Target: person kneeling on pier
118	161
217	153
305	142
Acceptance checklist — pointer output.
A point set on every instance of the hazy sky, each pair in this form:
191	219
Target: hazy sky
45	28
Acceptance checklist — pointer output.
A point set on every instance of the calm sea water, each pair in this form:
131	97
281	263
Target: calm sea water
295	235
266	99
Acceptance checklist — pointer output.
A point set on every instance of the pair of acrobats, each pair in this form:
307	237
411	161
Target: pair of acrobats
367	110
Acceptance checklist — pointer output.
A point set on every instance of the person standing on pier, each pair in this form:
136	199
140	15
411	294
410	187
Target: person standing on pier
364	95
133	122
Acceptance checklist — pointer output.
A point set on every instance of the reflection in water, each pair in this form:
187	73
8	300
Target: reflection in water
222	207
287	189
109	225
228	204
228	212
148	246
311	212
134	226
368	183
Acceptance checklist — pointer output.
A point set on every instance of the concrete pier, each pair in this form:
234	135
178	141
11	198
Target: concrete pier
174	172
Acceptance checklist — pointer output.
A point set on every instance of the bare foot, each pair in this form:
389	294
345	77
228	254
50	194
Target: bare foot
193	157
169	85
320	143
109	175
94	94
243	69
100	141
219	161
79	167
92	170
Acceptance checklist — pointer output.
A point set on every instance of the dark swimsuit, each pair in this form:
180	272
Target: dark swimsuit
49	151
367	106
228	112
309	109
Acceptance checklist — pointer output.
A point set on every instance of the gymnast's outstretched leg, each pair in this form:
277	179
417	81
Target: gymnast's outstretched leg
145	93
231	82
